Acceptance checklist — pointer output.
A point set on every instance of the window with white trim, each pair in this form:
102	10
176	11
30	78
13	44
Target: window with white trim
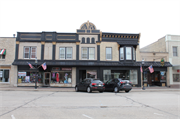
175	51
108	53
30	52
91	53
88	53
128	53
65	53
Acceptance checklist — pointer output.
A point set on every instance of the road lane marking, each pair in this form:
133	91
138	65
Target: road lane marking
158	114
13	117
87	116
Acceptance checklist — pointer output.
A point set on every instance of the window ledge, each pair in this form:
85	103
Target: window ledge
4	82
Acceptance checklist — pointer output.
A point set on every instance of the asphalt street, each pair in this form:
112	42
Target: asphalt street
95	105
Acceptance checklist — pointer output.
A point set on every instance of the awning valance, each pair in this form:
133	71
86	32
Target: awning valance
2	51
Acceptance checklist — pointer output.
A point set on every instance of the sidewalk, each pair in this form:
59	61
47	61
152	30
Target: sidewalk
71	89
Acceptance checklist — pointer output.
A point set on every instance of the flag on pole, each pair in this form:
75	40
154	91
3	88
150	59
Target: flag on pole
30	65
44	66
141	68
151	69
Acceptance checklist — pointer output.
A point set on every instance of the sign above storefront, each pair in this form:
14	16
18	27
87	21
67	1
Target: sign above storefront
69	69
56	69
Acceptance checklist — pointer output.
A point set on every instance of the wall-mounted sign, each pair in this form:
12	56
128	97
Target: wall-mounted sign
69	69
56	69
162	73
21	73
162	62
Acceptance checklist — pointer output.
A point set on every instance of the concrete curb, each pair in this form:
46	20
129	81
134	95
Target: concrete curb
73	90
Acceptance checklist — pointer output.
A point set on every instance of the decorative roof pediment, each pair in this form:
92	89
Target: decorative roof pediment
88	26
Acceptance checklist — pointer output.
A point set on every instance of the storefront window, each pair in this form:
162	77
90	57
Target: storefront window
91	74
133	76
4	75
29	77
61	77
106	75
162	76
176	77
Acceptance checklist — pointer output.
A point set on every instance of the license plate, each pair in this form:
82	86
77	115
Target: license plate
99	84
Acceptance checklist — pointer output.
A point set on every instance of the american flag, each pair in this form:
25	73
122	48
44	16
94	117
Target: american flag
44	66
151	69
141	69
30	65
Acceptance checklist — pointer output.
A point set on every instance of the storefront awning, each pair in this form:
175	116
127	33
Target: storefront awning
2	51
91	63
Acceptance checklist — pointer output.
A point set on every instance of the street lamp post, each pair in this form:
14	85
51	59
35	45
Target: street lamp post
143	75
36	73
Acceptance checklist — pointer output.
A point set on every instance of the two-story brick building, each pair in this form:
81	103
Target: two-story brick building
71	57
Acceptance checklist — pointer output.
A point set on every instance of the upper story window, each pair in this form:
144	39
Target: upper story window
88	40
134	54
108	53
128	53
65	53
122	53
83	40
92	40
175	51
88	53
30	52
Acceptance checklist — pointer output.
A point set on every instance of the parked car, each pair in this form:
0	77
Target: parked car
89	85
118	84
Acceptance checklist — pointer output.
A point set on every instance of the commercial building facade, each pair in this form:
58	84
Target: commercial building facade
72	57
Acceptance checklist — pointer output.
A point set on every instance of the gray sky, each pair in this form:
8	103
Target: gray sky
152	18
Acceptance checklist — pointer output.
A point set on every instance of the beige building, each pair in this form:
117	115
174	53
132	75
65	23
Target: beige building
168	48
7	56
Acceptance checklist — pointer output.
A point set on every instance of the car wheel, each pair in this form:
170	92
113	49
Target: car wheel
127	91
116	89
101	91
76	88
89	90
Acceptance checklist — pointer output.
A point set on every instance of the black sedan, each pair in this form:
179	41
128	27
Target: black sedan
117	85
89	85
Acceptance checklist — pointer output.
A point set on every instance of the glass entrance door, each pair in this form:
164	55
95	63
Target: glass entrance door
47	77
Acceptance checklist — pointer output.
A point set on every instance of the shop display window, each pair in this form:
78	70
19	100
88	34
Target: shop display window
61	77
126	74
91	74
4	75
29	77
176	77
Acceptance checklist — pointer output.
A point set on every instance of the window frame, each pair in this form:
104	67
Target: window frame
30	52
60	52
91	54
129	54
134	54
122	48
110	54
175	52
65	53
82	53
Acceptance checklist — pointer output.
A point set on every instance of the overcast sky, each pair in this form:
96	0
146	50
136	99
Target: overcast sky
152	18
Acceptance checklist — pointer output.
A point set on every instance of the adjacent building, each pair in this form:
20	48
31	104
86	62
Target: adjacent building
7	56
167	49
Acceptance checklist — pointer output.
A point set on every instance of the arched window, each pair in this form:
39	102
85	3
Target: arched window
88	40
83	40
92	40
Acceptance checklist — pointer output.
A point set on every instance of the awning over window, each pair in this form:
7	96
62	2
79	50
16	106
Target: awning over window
2	51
